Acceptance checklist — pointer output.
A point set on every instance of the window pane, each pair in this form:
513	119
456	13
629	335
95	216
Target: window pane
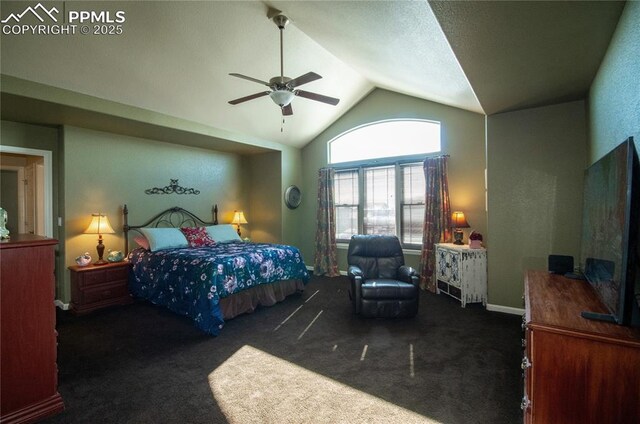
346	222
346	188
346	198
386	139
380	204
412	218
413	188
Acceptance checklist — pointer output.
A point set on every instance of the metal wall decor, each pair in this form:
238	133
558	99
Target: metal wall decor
172	188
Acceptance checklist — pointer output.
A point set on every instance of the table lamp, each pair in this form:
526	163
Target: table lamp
238	218
458	221
99	225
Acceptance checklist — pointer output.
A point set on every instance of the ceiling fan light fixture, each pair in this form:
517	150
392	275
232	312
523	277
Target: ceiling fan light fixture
282	97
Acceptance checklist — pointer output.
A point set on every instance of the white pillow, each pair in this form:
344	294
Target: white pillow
164	238
223	232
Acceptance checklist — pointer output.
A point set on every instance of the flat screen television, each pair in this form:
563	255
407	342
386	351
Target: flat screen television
610	255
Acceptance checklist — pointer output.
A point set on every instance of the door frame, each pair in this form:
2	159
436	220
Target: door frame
47	155
20	191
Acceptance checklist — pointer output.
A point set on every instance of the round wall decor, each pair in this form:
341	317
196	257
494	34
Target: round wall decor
292	197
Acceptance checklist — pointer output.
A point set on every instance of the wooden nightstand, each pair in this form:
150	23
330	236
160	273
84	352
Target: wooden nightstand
98	286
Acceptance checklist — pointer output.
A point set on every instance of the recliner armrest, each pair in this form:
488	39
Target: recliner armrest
408	275
356	276
354	271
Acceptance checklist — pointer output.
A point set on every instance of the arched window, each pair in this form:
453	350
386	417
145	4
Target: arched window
386	139
380	189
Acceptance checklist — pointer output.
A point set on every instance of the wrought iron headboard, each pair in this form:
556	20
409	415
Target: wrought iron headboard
174	217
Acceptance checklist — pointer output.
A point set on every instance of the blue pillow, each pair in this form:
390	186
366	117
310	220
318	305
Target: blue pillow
223	233
164	238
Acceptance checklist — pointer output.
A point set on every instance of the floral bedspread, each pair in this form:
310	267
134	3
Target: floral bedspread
191	281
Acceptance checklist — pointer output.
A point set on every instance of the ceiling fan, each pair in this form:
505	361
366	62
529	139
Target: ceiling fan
284	89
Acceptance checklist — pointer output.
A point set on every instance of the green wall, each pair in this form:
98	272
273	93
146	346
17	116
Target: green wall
536	160
463	135
103	171
291	174
264	179
614	98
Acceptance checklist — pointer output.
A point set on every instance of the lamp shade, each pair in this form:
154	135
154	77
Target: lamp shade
99	225
458	220
281	97
238	218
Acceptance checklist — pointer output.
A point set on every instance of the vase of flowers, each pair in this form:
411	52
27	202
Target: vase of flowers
475	240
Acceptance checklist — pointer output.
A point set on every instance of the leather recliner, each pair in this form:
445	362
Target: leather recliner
381	285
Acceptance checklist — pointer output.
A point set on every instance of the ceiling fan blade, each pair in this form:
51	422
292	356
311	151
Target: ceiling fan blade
317	97
303	79
287	110
250	79
247	98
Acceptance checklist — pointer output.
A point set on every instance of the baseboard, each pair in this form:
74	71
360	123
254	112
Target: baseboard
505	309
61	305
310	268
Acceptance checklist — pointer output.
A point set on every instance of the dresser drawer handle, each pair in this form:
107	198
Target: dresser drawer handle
523	342
525	403
525	363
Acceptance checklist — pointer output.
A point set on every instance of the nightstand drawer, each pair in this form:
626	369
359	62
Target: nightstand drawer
118	274
105	292
102	276
94	278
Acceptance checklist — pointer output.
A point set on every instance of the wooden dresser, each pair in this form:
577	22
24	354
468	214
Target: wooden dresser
576	370
28	370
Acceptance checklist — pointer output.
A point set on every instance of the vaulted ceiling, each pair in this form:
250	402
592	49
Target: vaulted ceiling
175	57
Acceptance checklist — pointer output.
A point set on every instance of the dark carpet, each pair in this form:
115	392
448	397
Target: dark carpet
143	364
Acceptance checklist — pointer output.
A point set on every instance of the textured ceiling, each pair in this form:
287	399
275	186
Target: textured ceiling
519	54
175	57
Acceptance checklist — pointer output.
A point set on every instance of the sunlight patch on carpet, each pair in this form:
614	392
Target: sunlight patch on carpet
253	386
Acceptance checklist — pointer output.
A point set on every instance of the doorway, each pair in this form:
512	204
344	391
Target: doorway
25	190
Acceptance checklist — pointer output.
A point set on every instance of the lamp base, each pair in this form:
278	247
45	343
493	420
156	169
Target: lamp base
457	236
100	250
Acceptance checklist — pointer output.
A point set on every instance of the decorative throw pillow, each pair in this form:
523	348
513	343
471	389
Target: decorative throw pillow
197	236
142	242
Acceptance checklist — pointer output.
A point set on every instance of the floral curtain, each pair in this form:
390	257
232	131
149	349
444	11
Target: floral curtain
437	217
326	259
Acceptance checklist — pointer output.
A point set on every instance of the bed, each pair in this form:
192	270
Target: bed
213	282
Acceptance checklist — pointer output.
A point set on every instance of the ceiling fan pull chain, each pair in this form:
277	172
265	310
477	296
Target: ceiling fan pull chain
282	126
